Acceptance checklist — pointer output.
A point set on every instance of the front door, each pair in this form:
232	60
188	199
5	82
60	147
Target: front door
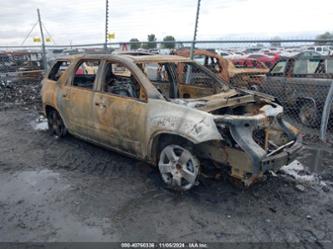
119	109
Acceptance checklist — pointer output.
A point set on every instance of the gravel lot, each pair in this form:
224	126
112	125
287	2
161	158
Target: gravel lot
69	190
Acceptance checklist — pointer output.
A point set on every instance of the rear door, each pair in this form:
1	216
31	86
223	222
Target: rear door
54	88
79	99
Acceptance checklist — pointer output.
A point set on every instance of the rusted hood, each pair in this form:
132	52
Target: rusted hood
214	102
233	71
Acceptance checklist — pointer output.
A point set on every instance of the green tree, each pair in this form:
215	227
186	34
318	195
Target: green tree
321	39
275	41
151	41
144	45
136	44
170	42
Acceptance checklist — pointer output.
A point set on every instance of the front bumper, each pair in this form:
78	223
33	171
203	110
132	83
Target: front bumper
275	161
242	128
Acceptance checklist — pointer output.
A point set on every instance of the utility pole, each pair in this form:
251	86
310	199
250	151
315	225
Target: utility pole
106	25
189	69
43	41
195	29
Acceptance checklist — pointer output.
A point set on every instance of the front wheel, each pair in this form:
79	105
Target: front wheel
308	114
179	167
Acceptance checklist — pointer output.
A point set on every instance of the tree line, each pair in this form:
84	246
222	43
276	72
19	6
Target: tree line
170	42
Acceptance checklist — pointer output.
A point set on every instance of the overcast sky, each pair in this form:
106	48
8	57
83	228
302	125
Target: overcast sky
83	21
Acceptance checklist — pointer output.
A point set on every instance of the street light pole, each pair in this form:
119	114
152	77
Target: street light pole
106	25
43	41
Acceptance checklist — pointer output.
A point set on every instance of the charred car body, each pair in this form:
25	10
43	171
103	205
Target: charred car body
170	112
238	77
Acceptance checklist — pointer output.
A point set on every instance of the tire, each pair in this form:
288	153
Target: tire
56	125
308	114
254	88
179	167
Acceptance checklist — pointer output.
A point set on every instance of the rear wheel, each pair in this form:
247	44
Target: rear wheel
179	167
55	123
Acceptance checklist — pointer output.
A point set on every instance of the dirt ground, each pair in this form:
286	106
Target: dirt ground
69	190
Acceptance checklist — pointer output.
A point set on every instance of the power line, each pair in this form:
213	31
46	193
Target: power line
33	27
47	32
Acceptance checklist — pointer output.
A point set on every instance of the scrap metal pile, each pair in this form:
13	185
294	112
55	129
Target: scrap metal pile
20	75
20	93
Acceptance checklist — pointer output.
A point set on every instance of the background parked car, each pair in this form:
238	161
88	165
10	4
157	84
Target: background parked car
323	50
301	85
269	61
243	62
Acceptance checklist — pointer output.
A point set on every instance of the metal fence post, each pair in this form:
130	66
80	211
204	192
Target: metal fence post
326	114
188	74
43	42
195	29
106	25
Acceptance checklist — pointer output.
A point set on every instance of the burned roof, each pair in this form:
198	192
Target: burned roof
135	59
158	58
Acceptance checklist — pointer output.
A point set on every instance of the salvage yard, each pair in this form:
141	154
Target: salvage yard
156	124
69	190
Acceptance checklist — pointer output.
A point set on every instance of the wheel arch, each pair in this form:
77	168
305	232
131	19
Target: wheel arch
48	108
302	100
163	137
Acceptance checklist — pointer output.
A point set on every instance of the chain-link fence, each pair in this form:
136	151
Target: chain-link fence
297	76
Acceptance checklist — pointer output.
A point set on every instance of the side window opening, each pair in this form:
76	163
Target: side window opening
305	66
279	68
329	66
85	74
58	69
156	72
120	81
214	65
200	59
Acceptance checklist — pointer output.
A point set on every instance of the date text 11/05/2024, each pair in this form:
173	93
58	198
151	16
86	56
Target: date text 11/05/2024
164	245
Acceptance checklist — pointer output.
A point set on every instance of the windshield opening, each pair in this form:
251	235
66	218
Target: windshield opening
182	79
279	67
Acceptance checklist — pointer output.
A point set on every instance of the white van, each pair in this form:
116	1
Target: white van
323	50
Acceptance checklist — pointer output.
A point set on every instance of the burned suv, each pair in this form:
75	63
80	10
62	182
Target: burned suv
170	112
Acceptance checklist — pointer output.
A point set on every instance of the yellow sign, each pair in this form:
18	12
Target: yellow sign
36	39
48	39
111	36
